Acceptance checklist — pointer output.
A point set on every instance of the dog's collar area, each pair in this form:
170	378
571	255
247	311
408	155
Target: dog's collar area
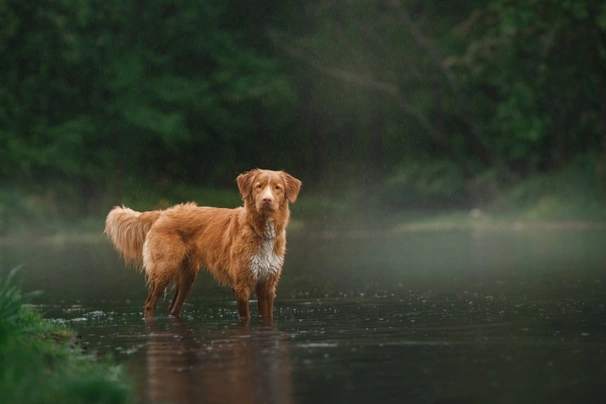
266	230
269	232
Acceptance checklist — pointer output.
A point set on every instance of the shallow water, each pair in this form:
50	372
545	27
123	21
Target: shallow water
450	317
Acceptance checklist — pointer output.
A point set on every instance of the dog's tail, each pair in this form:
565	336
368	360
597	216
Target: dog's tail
127	229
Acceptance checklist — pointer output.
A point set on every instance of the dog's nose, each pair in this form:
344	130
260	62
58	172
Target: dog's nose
267	200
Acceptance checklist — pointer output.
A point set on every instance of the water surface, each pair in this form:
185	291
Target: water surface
423	317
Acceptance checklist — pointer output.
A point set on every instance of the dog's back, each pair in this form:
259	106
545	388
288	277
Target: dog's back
128	229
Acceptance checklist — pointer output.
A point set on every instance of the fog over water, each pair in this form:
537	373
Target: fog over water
437	316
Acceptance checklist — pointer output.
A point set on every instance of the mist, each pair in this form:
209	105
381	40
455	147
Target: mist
446	245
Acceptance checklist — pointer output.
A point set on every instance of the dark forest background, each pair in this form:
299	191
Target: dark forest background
397	103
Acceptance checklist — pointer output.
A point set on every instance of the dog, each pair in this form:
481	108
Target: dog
243	247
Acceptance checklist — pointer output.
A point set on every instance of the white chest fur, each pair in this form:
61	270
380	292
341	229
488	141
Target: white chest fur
266	262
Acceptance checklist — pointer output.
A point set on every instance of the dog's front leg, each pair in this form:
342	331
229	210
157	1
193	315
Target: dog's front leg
266	293
242	297
243	308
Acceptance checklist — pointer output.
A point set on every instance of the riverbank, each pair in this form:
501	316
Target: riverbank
322	227
44	362
557	201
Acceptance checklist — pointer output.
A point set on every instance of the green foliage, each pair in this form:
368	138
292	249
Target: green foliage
430	185
536	64
149	198
97	92
572	192
38	366
99	99
11	301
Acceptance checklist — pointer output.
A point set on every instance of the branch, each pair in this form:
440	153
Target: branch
433	52
474	128
392	90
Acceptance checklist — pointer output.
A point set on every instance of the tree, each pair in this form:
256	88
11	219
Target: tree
506	87
536	67
96	92
380	47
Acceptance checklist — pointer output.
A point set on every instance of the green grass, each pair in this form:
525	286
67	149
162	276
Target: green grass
572	194
37	364
576	193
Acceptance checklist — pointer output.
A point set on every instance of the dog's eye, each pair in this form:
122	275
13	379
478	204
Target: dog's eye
258	186
277	187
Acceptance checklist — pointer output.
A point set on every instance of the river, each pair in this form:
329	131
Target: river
476	316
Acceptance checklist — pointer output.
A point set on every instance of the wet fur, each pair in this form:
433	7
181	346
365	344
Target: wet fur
243	247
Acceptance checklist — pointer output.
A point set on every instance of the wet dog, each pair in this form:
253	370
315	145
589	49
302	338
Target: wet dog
242	247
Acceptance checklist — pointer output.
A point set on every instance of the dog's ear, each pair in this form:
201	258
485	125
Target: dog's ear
245	181
293	186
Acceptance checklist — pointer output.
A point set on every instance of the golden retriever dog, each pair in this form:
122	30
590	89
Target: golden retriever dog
242	247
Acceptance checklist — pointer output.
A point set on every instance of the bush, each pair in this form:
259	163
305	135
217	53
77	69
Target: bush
37	364
426	185
571	193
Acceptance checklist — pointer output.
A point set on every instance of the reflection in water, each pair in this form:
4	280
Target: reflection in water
422	317
246	364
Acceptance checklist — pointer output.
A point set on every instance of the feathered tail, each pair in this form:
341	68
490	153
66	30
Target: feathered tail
127	229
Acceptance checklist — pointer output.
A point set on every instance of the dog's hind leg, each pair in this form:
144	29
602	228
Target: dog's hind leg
163	256
156	290
183	284
172	303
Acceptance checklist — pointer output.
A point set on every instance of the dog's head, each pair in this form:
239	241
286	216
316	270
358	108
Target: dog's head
268	190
